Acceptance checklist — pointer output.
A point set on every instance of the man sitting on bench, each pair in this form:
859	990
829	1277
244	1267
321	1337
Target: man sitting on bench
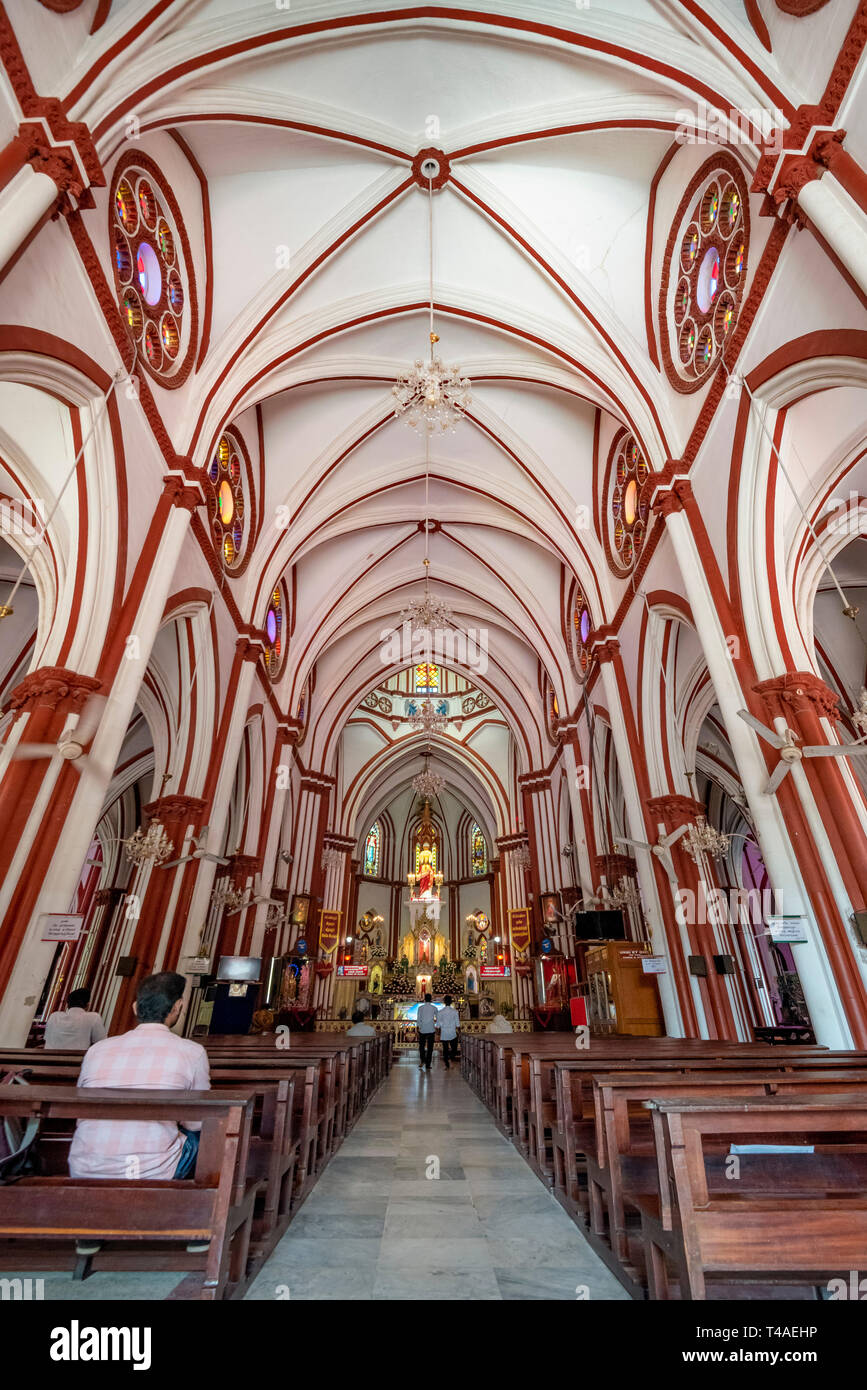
151	1058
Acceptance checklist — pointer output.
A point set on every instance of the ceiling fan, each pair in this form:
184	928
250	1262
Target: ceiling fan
258	897
73	739
790	753
662	849
200	852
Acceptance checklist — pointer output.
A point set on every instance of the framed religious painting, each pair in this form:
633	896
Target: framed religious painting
300	909
550	910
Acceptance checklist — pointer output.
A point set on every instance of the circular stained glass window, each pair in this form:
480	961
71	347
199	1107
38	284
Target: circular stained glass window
628	503
151	273
582	626
705	273
275	619
229	481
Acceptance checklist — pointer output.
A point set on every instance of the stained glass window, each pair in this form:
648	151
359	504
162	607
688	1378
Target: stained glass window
478	852
373	851
148	271
427	678
629	503
228	504
582	625
275	642
706	272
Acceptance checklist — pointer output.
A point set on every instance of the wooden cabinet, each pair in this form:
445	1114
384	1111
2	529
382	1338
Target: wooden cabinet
621	998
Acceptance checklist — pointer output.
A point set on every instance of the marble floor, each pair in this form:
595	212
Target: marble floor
426	1200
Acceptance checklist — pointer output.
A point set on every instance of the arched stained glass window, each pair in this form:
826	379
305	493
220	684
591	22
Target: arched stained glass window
582	626
629	503
275	631
427	678
227	477
478	852
373	851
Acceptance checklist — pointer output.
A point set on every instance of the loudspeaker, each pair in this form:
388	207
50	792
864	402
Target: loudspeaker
126	965
724	965
697	965
859	922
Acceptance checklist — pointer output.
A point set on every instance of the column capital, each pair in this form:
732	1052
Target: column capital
798	692
675	810
62	149
604	644
243	865
534	782
615	866
53	687
317	783
671	488
344	844
251	644
793	158
176	810
183	489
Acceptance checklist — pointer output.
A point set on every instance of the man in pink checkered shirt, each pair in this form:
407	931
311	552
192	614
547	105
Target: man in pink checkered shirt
151	1058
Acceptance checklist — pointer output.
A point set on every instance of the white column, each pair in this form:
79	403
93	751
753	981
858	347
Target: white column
643	862
25	199
34	958
837	218
814	969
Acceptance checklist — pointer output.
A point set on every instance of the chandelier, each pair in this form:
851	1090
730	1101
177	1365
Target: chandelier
427	612
521	856
431	395
332	859
228	897
702	838
428	721
859	717
625	893
428	784
155	845
276	916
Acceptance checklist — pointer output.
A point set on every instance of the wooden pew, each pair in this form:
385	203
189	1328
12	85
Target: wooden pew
804	1216
574	1130
622	1164
142	1224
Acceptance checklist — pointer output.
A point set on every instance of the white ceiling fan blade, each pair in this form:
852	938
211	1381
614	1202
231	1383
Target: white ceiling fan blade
640	844
214	858
89	720
834	750
778	774
173	863
668	864
769	735
26	751
672	839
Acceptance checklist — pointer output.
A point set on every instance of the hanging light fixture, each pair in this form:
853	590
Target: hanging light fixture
428	721
431	395
154	845
428	784
702	838
228	897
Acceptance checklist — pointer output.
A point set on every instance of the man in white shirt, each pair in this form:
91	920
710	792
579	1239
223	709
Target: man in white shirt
449	1022
74	1029
426	1019
359	1028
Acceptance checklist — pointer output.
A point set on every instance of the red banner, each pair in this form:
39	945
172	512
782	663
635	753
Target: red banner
519	926
329	930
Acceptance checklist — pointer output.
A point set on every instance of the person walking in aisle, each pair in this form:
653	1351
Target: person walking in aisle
448	1023
426	1020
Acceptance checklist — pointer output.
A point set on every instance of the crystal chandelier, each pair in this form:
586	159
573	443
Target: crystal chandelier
428	721
625	893
521	856
332	859
228	897
702	838
428	784
154	845
431	395
859	717
427	612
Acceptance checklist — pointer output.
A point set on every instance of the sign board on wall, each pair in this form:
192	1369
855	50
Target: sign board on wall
495	972
787	929
353	972
654	965
61	927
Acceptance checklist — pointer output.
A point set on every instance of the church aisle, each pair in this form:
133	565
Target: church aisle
378	1225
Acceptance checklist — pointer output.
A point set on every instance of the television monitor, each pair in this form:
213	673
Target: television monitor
599	926
247	968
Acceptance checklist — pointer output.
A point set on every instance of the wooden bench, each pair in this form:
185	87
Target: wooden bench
141	1223
622	1164
793	1218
